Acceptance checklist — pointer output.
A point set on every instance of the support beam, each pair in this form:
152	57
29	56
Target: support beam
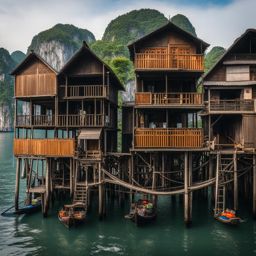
17	184
100	193
47	188
187	195
254	186
235	183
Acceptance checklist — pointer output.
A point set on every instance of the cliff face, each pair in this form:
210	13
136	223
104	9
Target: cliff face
5	118
55	53
6	90
57	44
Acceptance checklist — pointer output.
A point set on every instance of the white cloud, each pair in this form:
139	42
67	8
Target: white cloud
21	20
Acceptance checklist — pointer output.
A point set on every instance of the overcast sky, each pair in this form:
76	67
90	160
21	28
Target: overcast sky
217	22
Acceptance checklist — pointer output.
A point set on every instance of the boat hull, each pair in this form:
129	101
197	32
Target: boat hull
229	221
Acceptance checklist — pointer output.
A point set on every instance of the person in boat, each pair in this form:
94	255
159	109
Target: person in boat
228	213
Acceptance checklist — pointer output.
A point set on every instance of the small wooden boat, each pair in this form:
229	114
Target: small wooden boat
72	214
35	206
142	212
228	217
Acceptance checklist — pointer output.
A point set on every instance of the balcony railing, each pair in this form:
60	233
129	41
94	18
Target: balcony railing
232	106
168	61
80	91
168	138
148	98
44	147
38	120
87	120
81	120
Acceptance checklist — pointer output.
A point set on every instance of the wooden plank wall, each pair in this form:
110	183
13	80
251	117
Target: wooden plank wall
169	138
36	80
44	147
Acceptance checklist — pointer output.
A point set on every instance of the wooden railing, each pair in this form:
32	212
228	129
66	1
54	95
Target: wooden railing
148	98
168	61
76	91
168	138
232	105
81	120
88	120
37	120
90	154
44	147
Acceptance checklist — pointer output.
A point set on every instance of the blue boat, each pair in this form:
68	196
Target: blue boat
26	209
228	217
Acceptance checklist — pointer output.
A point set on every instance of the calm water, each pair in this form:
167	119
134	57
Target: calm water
33	235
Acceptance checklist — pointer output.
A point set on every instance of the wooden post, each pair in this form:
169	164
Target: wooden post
235	183
100	193
217	184
47	188
70	176
187	203
254	186
17	184
211	176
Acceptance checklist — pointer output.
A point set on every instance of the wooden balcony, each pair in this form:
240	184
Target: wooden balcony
168	99
38	120
44	147
167	61
90	154
88	91
88	120
168	138
232	106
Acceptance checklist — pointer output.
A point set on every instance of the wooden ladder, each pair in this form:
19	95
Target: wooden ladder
225	165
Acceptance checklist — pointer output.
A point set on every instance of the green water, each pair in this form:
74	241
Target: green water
34	235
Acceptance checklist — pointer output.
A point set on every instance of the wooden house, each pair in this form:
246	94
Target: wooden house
230	94
168	62
65	124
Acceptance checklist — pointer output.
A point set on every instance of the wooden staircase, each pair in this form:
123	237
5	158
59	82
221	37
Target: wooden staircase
80	195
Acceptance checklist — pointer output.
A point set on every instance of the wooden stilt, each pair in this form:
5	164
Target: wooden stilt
211	167
47	188
254	186
187	203
100	192
17	184
70	176
235	183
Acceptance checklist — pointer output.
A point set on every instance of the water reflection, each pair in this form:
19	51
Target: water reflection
34	235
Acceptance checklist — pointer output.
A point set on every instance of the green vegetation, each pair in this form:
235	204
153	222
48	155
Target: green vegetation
123	68
109	50
212	57
6	62
18	56
184	23
63	33
133	25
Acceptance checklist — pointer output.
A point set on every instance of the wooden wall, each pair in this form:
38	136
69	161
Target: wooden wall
36	79
249	124
218	74
44	147
86	63
167	38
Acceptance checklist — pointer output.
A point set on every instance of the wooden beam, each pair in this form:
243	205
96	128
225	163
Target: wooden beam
17	184
235	182
254	186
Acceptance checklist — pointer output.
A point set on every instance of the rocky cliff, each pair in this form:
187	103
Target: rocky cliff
57	44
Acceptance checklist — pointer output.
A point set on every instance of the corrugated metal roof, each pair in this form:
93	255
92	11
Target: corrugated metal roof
232	83
90	134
